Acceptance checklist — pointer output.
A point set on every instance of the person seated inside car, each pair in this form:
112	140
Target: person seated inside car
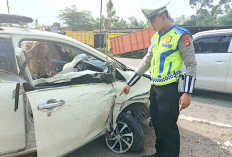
64	52
40	54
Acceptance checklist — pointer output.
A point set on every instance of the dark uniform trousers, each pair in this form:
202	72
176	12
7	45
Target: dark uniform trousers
164	108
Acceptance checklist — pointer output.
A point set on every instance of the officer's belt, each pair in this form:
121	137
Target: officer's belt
169	77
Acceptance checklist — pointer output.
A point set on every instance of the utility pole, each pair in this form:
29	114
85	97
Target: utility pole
8	6
100	24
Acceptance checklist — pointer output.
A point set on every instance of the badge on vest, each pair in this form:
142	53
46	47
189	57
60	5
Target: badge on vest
166	45
169	39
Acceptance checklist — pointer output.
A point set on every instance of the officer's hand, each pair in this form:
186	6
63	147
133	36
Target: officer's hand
184	101
52	73
126	89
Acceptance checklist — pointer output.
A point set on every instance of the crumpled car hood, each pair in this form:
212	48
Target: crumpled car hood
139	91
66	76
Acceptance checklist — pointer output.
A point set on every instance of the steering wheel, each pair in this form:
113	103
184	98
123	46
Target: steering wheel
77	62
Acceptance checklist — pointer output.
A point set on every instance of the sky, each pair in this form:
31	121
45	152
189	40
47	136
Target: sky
46	11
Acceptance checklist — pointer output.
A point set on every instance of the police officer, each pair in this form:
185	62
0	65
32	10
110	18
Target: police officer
171	48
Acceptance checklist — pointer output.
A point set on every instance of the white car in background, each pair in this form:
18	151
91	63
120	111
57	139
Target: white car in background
214	60
59	114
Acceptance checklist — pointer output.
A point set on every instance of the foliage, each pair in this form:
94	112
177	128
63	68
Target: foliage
226	19
77	20
133	23
111	15
56	24
112	21
181	20
83	20
200	4
119	23
208	14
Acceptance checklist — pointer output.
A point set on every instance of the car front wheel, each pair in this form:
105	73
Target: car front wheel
128	135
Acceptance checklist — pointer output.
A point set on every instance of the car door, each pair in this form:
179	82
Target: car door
68	115
70	108
212	61
229	76
12	124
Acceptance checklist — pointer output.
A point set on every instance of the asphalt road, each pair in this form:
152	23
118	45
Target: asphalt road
210	106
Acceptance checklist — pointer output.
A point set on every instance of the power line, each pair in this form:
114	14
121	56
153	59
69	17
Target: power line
132	14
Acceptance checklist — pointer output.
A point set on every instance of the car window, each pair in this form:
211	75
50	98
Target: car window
7	57
218	44
55	51
45	57
55	63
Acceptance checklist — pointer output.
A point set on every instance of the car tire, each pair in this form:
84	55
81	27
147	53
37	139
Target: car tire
127	136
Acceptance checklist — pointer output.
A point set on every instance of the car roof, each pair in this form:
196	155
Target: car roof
30	32
213	32
21	31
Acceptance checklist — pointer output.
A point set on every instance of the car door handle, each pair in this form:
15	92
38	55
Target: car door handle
51	104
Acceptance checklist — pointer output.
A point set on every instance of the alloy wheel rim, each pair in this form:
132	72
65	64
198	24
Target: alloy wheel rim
121	139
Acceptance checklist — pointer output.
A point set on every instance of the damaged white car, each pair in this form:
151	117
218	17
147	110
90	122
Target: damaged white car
57	115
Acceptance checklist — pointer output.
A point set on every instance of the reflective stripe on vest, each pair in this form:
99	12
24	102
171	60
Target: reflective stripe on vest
167	61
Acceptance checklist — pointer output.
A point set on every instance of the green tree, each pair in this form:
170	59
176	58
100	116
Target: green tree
119	23
56	24
96	24
200	5
180	20
208	14
110	9
226	19
133	22
111	14
222	12
205	18
191	21
77	20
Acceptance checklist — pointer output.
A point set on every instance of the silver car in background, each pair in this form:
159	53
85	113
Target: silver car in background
214	60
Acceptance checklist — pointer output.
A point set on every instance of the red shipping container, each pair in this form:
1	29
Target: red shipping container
131	42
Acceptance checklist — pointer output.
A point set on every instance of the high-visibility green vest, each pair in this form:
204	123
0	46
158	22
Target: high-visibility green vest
167	60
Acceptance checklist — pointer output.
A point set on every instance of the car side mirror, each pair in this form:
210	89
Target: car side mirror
109	67
108	75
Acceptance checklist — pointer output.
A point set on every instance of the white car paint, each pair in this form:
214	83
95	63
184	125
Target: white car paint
81	118
12	128
214	70
86	114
